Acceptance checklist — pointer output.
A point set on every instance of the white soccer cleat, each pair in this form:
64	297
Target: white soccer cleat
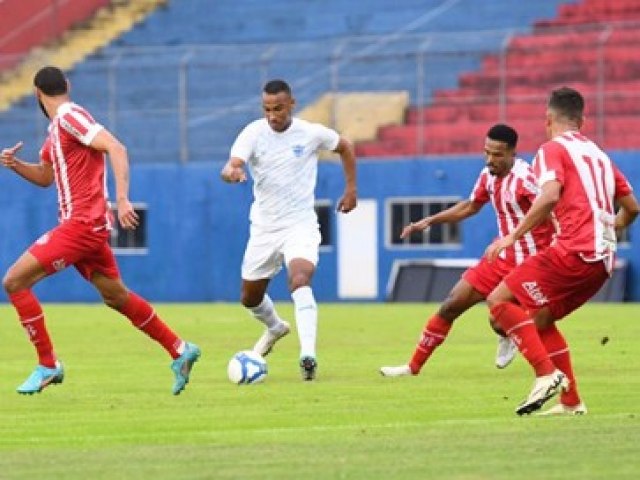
270	336
561	409
544	388
506	352
399	371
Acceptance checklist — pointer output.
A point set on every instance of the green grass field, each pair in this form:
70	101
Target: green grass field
115	418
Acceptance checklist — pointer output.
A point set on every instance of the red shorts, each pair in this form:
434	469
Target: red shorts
562	282
485	276
78	244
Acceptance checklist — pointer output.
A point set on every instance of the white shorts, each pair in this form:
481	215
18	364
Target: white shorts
267	250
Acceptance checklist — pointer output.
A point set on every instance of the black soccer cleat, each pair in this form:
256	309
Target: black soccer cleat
308	367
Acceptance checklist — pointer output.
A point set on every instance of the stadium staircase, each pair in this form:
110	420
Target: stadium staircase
592	46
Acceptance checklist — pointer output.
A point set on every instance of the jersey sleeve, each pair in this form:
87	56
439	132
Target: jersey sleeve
45	151
528	186
480	194
328	138
244	144
623	187
548	163
80	126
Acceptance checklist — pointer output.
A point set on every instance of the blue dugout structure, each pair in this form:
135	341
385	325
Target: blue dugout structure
197	227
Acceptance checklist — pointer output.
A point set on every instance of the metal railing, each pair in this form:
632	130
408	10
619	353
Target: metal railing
187	103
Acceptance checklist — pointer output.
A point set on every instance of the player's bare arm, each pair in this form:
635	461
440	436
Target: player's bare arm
233	171
349	199
40	174
104	141
628	211
540	209
454	214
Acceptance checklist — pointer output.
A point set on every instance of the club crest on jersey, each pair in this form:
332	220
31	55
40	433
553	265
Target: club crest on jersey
298	150
59	264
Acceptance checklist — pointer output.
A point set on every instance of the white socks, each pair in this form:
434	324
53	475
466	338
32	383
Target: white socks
265	312
306	320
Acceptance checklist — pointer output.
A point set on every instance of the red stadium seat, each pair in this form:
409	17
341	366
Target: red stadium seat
602	56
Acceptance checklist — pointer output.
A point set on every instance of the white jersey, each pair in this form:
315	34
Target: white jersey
284	168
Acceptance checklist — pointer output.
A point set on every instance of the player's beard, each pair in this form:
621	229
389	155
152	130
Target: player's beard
44	110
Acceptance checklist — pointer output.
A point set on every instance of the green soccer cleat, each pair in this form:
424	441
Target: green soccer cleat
41	378
182	366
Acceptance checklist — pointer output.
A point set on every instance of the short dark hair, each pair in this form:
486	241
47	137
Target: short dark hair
503	133
274	87
51	81
568	103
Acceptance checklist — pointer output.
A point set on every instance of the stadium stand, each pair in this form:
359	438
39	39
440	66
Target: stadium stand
206	77
24	25
592	45
180	84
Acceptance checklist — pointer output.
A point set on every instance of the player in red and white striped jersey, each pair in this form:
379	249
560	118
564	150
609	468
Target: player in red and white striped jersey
579	184
73	156
509	184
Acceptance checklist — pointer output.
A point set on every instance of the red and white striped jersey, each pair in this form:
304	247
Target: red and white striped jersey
511	197
79	169
590	184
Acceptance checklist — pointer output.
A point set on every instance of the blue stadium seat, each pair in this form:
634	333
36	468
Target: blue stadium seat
206	62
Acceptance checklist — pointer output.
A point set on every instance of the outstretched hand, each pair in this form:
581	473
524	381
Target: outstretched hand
8	155
419	226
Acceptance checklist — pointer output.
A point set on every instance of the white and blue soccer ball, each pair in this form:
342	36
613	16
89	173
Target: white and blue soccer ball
247	367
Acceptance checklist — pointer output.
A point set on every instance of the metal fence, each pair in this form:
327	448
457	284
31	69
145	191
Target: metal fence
187	103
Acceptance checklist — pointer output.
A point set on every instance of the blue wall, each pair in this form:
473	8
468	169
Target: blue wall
197	227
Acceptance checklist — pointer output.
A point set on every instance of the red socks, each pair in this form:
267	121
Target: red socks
32	320
144	318
520	328
434	333
558	350
135	309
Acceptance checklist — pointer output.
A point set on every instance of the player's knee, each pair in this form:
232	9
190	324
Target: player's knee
11	283
299	281
7	283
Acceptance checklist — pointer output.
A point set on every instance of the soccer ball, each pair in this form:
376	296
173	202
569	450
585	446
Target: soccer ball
247	367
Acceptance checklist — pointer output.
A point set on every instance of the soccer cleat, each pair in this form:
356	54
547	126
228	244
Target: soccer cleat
182	366
399	371
544	388
308	367
40	378
270	336
561	409
506	352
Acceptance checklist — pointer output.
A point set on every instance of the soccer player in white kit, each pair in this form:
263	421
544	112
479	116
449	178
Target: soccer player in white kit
281	152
